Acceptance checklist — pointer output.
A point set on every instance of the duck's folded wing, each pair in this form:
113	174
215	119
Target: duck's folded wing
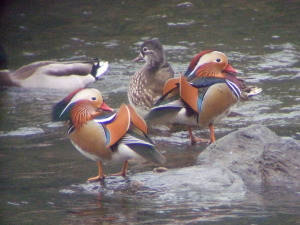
192	92
170	85
165	108
117	126
28	70
94	67
136	120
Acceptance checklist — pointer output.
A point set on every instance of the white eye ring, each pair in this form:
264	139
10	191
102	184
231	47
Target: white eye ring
145	49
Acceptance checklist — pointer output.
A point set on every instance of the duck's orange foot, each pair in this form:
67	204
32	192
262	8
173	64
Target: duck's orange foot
118	174
195	140
96	178
123	171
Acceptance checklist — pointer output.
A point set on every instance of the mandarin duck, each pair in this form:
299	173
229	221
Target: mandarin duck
203	96
103	135
146	85
67	76
246	90
246	93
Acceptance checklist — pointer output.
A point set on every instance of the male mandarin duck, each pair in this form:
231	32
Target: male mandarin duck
56	75
203	96
246	90
146	85
103	135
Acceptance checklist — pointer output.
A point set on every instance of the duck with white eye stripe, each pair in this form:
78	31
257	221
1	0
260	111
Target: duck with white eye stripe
103	135
204	96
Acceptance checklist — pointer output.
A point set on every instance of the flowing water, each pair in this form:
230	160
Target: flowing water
38	162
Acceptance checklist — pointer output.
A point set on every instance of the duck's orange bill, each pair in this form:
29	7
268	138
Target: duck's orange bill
230	69
106	107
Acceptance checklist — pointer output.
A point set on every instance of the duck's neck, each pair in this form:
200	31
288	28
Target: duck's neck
155	63
233	79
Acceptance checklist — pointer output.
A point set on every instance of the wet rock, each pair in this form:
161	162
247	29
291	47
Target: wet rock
257	155
226	170
197	183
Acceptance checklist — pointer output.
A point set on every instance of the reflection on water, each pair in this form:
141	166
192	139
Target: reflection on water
41	171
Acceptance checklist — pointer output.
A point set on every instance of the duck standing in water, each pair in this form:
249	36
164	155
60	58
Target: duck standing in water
202	97
67	76
146	85
103	135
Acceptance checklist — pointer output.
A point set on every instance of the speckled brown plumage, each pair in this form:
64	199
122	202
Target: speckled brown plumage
147	84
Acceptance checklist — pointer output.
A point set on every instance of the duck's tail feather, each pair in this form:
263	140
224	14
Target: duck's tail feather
148	152
144	147
99	68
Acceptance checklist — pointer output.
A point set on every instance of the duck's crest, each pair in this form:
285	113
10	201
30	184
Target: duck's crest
59	107
194	62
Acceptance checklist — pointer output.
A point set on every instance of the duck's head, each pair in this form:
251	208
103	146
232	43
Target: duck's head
209	63
151	51
80	106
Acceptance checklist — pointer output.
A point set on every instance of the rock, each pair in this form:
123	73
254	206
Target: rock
197	183
226	170
257	155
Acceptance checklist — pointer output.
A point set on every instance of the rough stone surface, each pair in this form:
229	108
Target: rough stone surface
226	170
257	155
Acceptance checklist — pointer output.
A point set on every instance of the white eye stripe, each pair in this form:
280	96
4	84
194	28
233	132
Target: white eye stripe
210	57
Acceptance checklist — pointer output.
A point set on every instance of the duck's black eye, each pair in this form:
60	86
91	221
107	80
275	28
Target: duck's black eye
218	60
145	49
93	98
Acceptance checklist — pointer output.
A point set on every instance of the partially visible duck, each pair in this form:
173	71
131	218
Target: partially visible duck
146	85
103	135
247	91
203	96
56	75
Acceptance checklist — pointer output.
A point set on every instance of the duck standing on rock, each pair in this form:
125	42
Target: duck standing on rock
146	85
203	96
103	135
67	76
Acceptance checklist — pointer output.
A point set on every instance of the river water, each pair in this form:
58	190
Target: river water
38	162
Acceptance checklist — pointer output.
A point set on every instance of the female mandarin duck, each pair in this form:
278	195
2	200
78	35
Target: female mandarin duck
103	135
51	74
146	85
203	96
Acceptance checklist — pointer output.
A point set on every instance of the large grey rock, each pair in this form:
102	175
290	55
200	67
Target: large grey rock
257	155
226	170
197	183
